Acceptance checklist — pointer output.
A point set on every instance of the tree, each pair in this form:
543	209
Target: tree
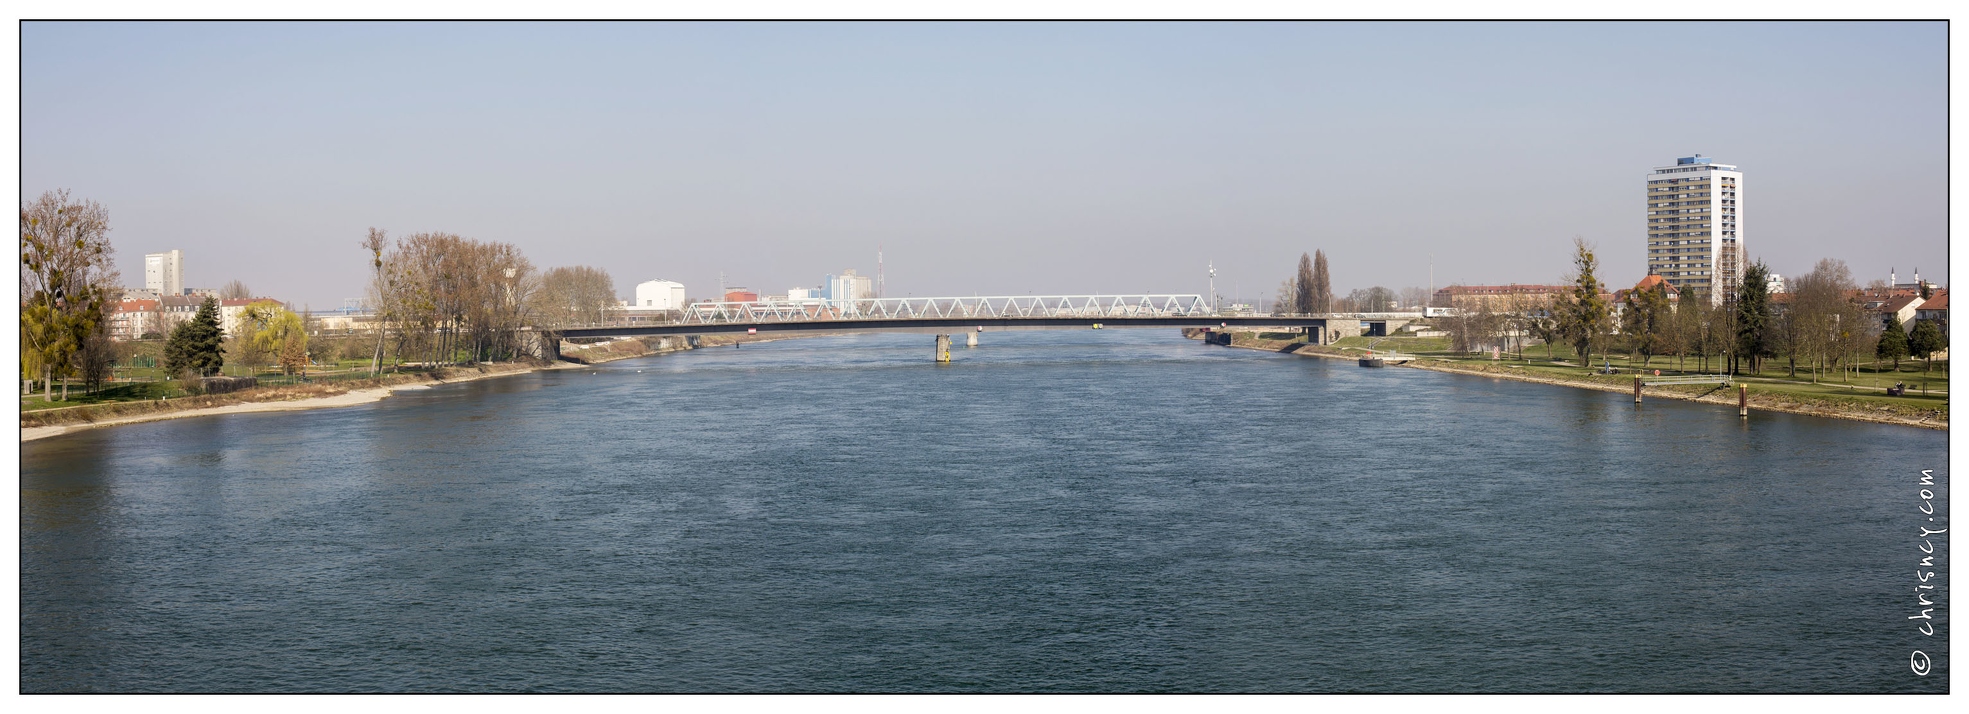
68	283
1893	342
1583	315
1304	282
1646	321
376	242
1753	317
1374	299
96	360
574	296
1288	296
235	290
1320	295
196	346
279	331
1413	298
1925	342
1824	322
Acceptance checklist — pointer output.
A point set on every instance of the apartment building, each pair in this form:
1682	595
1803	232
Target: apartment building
164	273
1695	227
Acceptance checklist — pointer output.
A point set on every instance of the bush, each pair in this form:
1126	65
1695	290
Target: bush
191	383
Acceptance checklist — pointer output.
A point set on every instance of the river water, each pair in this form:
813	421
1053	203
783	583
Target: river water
1122	510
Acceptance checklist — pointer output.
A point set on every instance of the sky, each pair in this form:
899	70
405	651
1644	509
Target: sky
989	158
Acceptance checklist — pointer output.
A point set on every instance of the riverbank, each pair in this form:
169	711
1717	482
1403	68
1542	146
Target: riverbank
55	422
1766	401
41	425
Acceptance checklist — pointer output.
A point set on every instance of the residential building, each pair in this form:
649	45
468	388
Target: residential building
1499	298
659	295
1694	226
1647	283
165	272
1935	310
1897	306
1773	284
132	319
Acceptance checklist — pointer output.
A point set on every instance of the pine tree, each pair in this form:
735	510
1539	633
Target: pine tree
1753	313
1893	342
196	345
1926	341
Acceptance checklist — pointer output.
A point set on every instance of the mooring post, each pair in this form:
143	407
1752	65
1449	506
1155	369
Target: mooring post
943	348
1637	390
1743	400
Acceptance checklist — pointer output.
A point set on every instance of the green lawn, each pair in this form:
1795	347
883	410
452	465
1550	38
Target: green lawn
1866	387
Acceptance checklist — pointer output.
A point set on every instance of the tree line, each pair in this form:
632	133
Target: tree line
1820	329
441	298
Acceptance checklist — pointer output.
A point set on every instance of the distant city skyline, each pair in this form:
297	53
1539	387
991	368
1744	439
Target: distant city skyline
983	158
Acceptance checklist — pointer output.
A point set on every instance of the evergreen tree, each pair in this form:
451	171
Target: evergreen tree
1584	317
196	345
1753	313
1893	342
1926	341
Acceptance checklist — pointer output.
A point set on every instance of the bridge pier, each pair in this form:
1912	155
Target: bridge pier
545	345
971	339
943	348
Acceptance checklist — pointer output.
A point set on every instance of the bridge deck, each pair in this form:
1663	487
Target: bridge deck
943	325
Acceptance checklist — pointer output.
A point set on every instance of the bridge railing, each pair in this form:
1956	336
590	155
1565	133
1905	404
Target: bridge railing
983	307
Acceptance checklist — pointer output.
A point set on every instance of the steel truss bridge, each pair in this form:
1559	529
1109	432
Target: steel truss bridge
944	316
996	307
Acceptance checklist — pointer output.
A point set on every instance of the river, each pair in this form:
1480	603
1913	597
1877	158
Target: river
1121	510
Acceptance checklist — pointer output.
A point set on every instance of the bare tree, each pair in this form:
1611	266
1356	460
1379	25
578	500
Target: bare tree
577	295
1827	322
1413	298
1288	296
235	290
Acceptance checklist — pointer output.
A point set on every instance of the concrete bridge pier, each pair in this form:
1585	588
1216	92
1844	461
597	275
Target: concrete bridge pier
971	339
545	345
943	348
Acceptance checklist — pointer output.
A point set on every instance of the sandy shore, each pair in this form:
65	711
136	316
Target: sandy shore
346	399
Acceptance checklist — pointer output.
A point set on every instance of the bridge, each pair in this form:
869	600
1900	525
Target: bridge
944	316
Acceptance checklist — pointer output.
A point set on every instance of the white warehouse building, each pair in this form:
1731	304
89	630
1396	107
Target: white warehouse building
659	295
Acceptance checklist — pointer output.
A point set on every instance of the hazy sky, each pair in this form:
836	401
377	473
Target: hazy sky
986	158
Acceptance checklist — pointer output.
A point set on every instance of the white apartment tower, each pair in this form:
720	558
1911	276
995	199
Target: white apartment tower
1693	227
165	272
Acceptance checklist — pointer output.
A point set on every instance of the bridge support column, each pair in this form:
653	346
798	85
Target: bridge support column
943	348
971	339
546	345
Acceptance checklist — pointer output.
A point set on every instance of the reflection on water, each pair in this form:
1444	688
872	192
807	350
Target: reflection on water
1057	511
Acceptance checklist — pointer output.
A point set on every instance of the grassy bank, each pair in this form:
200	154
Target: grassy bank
1863	398
106	411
